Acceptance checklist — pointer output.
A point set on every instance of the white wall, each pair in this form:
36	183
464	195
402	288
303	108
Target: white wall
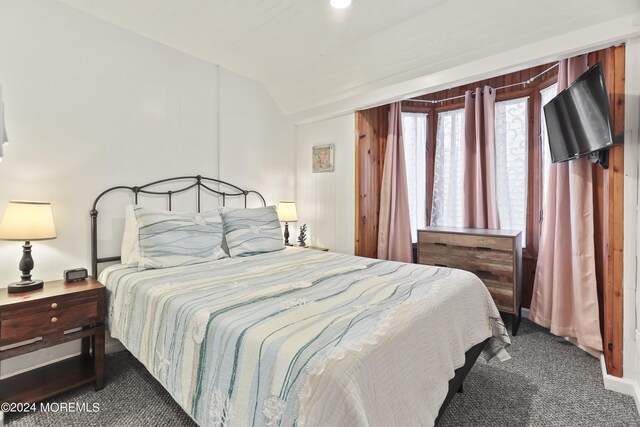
90	105
326	201
631	326
256	142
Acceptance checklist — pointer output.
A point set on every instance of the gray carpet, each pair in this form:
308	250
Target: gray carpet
548	382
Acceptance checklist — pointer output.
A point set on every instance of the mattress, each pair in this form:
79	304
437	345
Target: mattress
303	338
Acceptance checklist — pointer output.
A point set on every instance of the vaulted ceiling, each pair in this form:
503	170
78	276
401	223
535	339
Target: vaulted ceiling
309	55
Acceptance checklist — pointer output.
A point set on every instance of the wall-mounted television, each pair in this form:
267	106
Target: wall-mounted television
579	119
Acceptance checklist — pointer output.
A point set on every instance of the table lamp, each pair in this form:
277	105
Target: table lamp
27	221
287	213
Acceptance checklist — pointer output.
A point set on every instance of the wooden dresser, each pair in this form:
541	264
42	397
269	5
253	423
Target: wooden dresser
495	256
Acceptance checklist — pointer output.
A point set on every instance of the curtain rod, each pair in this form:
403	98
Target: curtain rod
526	82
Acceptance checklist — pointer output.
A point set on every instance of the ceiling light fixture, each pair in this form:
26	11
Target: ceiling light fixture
340	4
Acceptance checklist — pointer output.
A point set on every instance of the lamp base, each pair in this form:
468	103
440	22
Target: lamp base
286	234
25	286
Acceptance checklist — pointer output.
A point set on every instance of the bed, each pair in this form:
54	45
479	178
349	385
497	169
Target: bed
302	338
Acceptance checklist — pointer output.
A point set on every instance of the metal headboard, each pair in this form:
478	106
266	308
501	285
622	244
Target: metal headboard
198	182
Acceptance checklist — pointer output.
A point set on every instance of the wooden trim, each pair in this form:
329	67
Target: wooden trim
432	122
614	227
449	107
548	82
413	108
537	161
356	226
532	247
514	94
535	164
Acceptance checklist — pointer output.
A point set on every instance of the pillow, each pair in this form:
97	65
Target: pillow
130	248
225	247
170	239
252	231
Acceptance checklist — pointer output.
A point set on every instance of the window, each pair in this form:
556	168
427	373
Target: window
512	132
414	138
511	127
448	173
546	95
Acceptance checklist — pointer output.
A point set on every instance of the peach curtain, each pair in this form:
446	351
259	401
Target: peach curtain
480	207
394	227
565	296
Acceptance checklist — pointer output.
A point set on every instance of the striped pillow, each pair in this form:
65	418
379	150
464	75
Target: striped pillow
170	239
252	231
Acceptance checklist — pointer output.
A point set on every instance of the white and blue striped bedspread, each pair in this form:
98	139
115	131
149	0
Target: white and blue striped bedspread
302	337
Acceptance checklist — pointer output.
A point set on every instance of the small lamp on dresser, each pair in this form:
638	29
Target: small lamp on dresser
27	221
287	213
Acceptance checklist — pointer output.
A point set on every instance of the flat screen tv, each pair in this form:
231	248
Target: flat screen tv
579	119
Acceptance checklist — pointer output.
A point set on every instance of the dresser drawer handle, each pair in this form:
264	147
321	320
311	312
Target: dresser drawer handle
441	265
54	305
483	272
483	248
54	319
440	244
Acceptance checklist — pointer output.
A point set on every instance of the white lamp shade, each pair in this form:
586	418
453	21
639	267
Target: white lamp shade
26	221
287	212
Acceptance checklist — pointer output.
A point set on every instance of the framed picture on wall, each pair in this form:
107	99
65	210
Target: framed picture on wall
323	158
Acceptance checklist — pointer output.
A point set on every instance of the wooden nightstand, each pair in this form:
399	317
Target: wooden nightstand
315	248
34	320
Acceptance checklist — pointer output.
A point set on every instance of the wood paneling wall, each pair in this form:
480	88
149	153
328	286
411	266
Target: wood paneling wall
607	184
609	205
372	126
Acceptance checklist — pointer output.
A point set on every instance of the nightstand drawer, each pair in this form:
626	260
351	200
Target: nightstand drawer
47	305
52	318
